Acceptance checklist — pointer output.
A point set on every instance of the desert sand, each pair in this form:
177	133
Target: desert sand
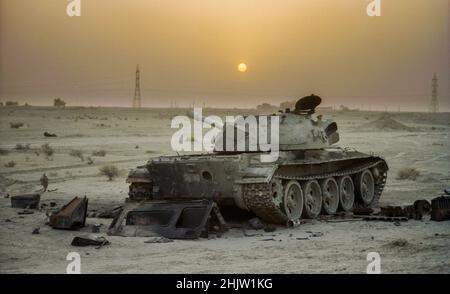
131	137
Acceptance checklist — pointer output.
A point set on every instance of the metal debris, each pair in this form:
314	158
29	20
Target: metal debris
26	201
112	213
70	216
314	234
174	220
25	212
440	207
158	240
415	211
270	228
96	228
255	223
50	135
385	218
83	242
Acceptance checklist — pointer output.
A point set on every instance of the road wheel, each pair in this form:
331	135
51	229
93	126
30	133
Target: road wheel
365	187
313	199
293	200
346	193
330	196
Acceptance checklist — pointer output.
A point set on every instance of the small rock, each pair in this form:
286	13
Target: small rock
302	238
316	234
269	239
270	228
398	243
158	240
25	212
36	231
255	223
252	235
8	220
96	228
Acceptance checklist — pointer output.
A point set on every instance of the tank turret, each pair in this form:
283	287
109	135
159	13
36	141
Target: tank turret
299	129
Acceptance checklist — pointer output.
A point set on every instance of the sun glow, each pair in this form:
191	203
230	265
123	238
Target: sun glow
242	67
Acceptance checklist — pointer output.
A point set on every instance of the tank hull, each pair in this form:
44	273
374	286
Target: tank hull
244	181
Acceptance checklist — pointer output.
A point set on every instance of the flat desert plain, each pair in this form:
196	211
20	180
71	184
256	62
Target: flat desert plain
130	137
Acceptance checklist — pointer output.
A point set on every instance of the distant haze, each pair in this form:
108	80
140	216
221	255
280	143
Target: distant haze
189	51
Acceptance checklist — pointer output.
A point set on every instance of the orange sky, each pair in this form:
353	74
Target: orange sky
189	50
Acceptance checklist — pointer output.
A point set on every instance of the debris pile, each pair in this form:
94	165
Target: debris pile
99	242
386	123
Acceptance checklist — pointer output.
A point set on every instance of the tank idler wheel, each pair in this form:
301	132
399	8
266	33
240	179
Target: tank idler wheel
313	199
293	201
365	187
330	196
346	193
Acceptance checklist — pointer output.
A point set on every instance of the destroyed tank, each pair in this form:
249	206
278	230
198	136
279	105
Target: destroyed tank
310	177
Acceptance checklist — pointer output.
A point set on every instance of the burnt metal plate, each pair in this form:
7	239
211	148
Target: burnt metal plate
26	201
440	208
70	216
174	220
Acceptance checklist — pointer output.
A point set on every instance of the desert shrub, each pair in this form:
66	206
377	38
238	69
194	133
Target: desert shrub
77	153
47	150
3	152
408	173
99	153
110	171
12	163
22	147
16	125
89	160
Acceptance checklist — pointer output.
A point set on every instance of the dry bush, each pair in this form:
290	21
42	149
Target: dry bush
12	163
408	173
22	147
99	153
110	171
89	160
77	153
3	152
16	125
47	150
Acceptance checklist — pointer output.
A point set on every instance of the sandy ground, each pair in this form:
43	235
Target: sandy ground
130	137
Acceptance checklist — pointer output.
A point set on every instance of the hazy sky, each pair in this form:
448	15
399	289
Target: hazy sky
189	50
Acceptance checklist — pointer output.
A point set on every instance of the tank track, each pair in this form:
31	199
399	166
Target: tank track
258	197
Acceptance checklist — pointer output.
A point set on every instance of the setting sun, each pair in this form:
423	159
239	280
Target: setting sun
242	67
